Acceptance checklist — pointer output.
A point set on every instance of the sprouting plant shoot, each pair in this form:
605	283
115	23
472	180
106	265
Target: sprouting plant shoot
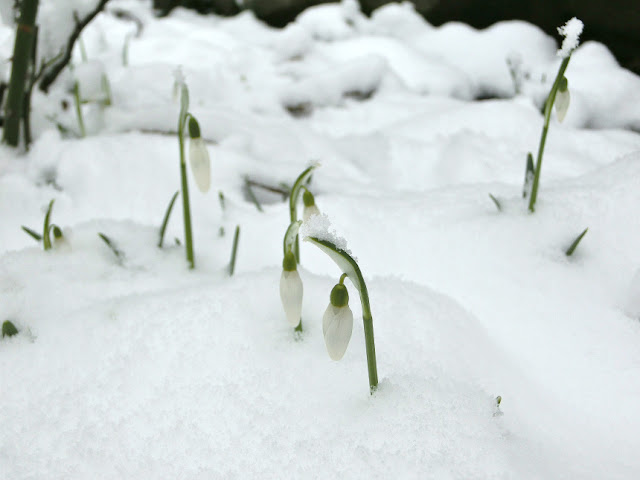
529	173
569	251
199	160
78	104
234	251
106	90
498	412
47	229
293	203
496	202
8	329
165	221
560	92
336	321
112	246
290	281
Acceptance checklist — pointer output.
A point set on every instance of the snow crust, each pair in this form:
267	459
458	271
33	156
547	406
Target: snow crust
136	367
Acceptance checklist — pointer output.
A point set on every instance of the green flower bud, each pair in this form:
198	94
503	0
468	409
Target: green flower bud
57	233
194	128
9	329
564	84
307	199
339	296
289	263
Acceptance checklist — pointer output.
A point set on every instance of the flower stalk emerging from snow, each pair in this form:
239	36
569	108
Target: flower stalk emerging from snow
293	202
571	31
47	229
337	322
290	281
199	161
351	269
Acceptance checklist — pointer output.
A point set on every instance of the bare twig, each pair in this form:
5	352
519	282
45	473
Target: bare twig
52	73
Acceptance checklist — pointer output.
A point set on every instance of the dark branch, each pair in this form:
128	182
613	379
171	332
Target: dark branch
52	73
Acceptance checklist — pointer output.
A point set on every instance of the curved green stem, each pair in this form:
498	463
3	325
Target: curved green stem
351	269
186	210
547	117
293	202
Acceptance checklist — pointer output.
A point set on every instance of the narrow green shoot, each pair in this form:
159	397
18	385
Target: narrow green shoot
125	50
296	191
234	251
165	220
36	236
221	200
106	89
8	329
109	243
529	175
496	202
83	50
350	267
46	239
575	243
78	104
252	195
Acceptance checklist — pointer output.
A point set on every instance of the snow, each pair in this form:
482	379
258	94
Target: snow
571	32
141	368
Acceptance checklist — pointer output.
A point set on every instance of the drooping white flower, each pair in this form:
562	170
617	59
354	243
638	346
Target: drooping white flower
337	323
563	98
310	207
291	290
199	157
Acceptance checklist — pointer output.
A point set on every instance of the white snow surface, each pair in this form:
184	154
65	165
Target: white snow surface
138	368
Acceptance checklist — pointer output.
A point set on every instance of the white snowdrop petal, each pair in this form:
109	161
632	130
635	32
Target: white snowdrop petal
200	164
308	212
562	104
291	296
337	326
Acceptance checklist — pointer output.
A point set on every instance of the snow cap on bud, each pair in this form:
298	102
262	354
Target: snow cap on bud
310	207
563	98
337	322
199	157
291	289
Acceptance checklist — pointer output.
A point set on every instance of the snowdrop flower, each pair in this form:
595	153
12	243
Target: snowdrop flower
337	322
199	157
310	208
562	99
291	289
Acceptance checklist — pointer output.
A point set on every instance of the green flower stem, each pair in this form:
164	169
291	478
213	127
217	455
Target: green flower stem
547	117
46	238
186	210
351	269
293	202
234	251
165	220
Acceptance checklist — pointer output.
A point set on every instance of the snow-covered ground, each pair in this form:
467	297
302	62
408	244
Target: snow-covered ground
140	368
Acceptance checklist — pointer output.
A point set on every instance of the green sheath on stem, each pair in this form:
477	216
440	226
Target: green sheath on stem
22	50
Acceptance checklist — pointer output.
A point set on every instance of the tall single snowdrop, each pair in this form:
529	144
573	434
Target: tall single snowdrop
290	281
559	92
199	160
298	185
336	321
